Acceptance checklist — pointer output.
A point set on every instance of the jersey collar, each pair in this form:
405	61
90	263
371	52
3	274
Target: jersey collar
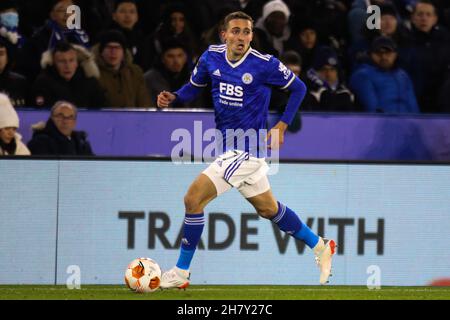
237	63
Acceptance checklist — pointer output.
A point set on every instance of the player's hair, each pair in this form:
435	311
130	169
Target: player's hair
236	15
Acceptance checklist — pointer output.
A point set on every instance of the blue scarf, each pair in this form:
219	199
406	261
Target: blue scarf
76	36
12	35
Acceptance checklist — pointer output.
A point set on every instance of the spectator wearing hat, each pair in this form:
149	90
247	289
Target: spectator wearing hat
10	140
13	84
170	73
272	29
381	86
125	18
327	92
121	79
53	31
58	136
71	74
430	55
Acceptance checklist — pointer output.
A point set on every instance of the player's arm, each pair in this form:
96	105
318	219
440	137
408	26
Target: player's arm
199	79
298	92
187	93
279	75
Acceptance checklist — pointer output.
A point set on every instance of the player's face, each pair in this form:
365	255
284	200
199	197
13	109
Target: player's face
238	36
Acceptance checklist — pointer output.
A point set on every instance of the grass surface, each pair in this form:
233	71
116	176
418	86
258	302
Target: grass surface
115	292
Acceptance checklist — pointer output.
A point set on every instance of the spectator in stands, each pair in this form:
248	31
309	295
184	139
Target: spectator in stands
213	35
326	90
96	16
175	24
357	18
293	61
58	136
9	23
170	73
11	83
382	86
70	73
431	55
272	29
390	26
122	80
125	19
54	30
329	17
10	140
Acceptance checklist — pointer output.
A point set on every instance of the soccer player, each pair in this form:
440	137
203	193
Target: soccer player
240	78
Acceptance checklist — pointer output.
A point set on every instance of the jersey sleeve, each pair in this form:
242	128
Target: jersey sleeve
278	74
200	76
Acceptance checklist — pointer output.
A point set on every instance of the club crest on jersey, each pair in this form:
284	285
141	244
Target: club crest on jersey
247	78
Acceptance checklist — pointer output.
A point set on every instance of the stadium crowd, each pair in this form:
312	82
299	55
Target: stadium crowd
124	52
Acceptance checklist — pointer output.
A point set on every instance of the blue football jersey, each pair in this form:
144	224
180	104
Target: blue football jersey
241	94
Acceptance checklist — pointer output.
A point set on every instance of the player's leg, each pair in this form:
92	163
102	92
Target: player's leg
288	221
199	194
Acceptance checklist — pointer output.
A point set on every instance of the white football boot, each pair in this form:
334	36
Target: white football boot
323	260
175	278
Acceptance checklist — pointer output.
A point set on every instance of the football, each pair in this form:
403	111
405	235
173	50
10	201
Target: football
143	275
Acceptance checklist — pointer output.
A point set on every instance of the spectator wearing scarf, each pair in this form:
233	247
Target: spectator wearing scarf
53	31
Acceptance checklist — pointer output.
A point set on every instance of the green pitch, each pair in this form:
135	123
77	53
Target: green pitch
109	292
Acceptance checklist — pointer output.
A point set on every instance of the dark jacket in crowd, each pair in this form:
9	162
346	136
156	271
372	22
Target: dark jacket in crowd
16	87
323	97
430	55
83	89
160	79
29	56
47	140
443	102
50	87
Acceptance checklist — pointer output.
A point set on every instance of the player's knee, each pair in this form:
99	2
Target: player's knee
192	203
267	212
